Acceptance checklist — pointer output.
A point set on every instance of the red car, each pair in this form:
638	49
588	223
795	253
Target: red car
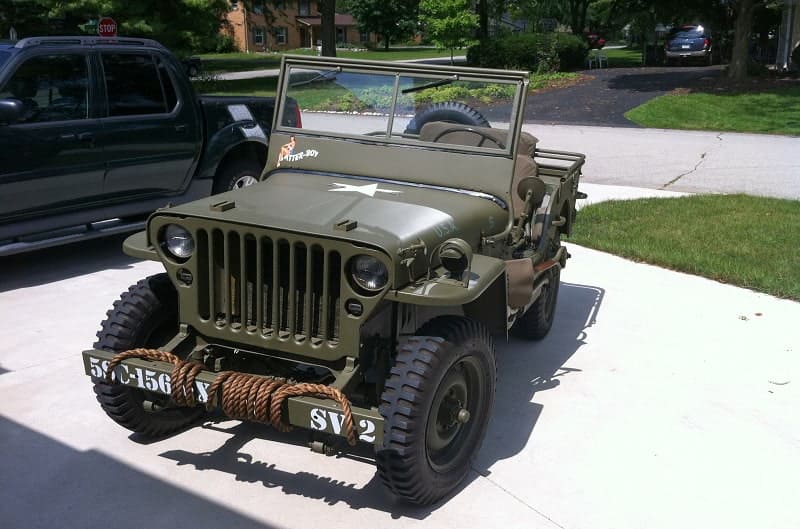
595	41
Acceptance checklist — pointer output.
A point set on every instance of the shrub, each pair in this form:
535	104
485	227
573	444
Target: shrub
225	44
536	52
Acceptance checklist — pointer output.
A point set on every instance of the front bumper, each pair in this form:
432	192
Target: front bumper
303	412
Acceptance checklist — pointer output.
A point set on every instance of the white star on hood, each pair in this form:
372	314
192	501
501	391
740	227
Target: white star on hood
368	189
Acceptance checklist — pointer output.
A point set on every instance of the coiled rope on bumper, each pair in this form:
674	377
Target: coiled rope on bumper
241	396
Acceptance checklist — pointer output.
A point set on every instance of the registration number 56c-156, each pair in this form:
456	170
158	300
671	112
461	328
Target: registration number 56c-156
143	378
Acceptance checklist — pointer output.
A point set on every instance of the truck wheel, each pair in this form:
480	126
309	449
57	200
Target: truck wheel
536	322
144	316
236	175
451	112
436	406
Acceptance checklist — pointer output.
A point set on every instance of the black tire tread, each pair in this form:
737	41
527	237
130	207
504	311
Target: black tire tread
450	111
141	306
232	171
401	406
534	324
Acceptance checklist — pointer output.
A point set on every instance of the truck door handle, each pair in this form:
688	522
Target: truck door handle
180	129
86	136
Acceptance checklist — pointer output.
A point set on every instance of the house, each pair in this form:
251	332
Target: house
287	25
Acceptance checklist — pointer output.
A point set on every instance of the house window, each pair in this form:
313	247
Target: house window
281	35
258	36
304	8
363	36
341	35
258	8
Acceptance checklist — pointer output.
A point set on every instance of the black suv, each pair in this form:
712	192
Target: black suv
688	43
97	133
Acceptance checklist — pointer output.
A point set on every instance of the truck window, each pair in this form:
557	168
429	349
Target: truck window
133	85
52	88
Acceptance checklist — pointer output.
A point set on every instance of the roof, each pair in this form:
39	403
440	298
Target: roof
341	20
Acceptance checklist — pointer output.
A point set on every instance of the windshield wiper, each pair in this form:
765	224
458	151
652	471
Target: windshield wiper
321	76
429	85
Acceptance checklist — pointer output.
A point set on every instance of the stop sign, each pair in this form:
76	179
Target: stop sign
106	27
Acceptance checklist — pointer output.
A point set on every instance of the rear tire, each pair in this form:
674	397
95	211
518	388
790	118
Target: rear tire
450	112
535	324
144	316
436	406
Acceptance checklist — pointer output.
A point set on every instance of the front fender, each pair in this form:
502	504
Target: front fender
138	245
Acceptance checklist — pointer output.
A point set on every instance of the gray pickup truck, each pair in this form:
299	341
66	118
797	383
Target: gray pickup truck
97	133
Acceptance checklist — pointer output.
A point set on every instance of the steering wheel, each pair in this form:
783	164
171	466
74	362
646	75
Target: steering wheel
484	136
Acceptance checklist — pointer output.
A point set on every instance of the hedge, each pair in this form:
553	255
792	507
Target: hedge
534	52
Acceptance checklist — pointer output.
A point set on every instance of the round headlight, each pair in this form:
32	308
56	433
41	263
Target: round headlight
368	273
178	241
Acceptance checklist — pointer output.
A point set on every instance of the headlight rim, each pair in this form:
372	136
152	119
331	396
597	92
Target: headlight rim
357	284
170	250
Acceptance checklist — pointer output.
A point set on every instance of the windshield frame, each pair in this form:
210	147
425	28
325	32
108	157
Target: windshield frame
444	74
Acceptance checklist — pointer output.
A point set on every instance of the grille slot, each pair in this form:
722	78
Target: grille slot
275	287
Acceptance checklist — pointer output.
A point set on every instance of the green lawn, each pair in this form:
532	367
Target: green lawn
739	239
240	62
775	111
623	57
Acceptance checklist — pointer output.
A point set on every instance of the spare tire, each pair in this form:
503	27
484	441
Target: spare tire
450	112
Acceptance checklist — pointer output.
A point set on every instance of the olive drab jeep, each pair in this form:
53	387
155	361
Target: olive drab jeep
402	223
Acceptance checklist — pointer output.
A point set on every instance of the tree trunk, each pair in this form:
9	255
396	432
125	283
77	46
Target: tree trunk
577	15
386	42
483	20
327	9
741	39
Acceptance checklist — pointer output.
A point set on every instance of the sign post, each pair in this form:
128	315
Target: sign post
107	27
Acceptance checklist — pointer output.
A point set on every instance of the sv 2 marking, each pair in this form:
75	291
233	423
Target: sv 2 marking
321	419
143	378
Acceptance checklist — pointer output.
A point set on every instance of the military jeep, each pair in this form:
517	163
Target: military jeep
403	220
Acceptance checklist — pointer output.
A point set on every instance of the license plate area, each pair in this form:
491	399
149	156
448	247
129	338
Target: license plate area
304	412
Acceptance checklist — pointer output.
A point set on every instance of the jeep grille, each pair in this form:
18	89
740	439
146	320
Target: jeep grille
279	286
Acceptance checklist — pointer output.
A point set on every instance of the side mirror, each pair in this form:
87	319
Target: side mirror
11	110
537	188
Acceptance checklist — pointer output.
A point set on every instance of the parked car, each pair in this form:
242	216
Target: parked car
688	42
95	129
595	41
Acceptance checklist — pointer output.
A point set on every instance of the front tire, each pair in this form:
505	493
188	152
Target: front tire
436	406
144	316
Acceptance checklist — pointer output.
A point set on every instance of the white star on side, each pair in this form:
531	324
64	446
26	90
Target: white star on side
369	189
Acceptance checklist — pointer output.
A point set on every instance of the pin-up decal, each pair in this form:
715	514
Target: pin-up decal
288	154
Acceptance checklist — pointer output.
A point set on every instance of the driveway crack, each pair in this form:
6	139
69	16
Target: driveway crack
520	500
696	166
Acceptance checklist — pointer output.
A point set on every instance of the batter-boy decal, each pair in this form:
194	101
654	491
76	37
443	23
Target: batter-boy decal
287	153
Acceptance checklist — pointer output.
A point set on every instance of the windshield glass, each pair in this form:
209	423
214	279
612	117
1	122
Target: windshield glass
388	106
686	33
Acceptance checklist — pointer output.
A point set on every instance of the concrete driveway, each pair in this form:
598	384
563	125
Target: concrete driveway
659	400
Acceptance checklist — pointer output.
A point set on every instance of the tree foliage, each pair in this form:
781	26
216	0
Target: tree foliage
182	25
391	19
450	24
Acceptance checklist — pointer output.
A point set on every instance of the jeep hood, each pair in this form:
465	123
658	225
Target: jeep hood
388	215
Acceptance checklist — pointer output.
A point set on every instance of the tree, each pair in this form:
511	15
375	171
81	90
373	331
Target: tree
182	25
391	19
449	23
741	37
327	9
